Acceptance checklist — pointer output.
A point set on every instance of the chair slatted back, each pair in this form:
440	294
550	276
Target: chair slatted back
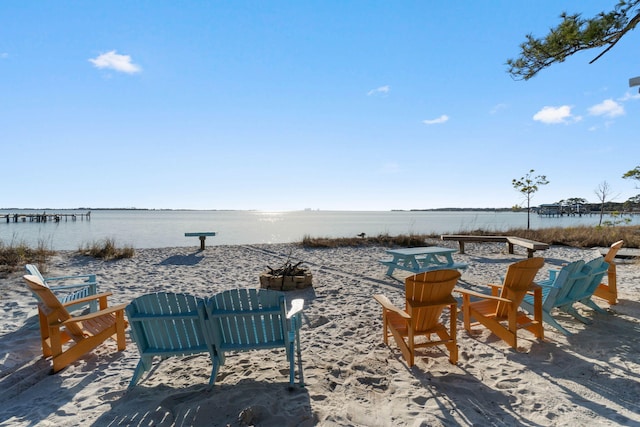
166	323
433	287
247	319
65	295
32	269
570	275
51	307
594	271
516	283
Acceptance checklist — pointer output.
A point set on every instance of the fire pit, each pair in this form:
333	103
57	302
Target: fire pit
286	278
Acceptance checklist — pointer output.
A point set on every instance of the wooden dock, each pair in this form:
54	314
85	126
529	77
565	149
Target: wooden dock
45	217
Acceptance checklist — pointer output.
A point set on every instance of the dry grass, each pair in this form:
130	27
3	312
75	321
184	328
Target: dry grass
380	240
14	256
580	237
583	236
107	249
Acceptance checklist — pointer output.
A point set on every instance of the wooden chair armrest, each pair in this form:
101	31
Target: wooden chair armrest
95	314
388	305
536	287
481	295
87	299
296	306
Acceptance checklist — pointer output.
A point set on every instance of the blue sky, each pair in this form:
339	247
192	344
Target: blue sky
287	105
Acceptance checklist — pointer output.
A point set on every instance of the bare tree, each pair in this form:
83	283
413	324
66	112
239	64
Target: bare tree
603	192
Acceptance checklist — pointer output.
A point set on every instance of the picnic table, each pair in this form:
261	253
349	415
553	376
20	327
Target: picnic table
421	259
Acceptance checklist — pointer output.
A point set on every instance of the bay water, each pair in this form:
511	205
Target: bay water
166	228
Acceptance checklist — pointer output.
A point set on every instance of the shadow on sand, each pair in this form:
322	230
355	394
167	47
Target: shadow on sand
197	405
190	259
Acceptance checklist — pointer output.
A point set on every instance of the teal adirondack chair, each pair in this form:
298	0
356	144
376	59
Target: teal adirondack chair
250	319
576	282
165	324
556	292
71	288
582	293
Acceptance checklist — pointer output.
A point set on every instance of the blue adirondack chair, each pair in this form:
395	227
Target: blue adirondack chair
555	292
250	319
71	288
576	282
582	293
165	324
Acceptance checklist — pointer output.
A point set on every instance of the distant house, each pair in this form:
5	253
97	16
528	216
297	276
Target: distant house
550	210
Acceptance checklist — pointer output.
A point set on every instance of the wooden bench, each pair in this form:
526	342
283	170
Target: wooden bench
530	245
462	238
202	235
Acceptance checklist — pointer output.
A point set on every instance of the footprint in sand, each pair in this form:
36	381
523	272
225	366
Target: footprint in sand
507	384
378	383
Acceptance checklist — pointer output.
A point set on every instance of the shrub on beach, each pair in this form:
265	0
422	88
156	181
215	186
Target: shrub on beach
583	236
14	256
107	249
363	240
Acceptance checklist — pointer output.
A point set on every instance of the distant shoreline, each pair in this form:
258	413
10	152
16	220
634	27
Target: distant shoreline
534	209
259	210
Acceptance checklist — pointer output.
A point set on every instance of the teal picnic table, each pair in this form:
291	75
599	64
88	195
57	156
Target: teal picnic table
421	259
202	235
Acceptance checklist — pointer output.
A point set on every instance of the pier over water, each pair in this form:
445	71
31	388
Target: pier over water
45	217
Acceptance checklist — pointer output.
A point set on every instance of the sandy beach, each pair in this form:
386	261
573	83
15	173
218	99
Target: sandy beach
591	377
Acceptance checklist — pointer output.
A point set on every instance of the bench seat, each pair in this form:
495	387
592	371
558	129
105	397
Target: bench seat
511	241
530	245
461	239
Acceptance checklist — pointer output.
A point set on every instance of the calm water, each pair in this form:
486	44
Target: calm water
155	229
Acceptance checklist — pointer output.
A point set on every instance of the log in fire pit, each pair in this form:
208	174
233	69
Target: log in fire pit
286	278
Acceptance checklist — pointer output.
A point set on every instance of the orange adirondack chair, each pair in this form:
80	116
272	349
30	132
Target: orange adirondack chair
427	294
84	333
503	306
609	291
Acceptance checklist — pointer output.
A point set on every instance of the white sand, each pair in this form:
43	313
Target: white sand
352	378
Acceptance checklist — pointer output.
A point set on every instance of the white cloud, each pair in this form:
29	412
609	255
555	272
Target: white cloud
553	115
4	55
442	119
382	90
627	96
114	61
607	108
